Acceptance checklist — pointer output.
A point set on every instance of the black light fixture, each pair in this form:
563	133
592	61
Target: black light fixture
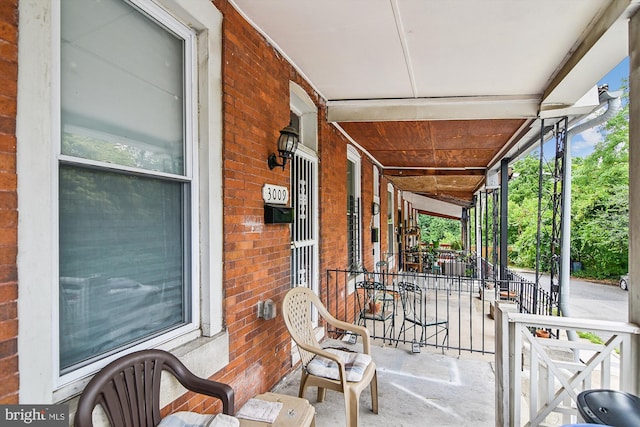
287	145
375	208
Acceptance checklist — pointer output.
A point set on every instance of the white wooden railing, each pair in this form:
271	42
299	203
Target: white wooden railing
538	379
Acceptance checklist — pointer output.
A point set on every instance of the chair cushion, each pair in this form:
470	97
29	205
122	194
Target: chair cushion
194	419
354	365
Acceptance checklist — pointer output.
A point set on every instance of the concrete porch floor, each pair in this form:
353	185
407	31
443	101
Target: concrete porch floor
426	388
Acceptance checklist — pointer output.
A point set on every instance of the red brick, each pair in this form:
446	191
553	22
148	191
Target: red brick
8	218
7	143
8	254
8	70
8	162
8	106
8	292
7	125
8	311
8	51
8	237
8	182
8	348
8	31
8	366
9	388
8	200
8	273
8	85
9	11
8	329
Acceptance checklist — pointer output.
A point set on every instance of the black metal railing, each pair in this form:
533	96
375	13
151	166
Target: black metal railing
451	309
531	297
417	309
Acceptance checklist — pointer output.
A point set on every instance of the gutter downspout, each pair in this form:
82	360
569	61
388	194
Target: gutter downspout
614	104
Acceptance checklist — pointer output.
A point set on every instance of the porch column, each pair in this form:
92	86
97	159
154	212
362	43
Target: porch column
464	230
478	233
504	218
634	189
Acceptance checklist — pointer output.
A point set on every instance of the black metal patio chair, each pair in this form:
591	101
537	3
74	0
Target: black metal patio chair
414	315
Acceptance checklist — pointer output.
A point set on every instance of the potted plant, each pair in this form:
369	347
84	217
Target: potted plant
375	305
542	333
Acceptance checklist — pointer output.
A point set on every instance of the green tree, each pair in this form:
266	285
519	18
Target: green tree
600	206
523	213
600	199
438	230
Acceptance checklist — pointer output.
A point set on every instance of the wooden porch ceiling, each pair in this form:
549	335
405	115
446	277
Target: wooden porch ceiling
445	159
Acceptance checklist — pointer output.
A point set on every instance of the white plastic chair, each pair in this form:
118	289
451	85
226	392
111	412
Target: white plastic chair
327	366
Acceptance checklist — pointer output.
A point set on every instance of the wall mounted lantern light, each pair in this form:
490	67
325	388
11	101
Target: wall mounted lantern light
287	145
375	208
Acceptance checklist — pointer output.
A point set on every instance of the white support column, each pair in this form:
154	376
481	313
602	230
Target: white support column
565	251
634	187
503	401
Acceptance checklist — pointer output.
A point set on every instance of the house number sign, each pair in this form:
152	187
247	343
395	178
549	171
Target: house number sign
275	194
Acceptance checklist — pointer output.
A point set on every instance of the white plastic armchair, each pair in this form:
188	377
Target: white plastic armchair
338	370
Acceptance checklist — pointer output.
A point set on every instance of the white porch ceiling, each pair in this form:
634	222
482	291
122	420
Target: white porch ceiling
412	49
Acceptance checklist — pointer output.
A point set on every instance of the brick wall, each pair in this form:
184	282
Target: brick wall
333	199
8	203
257	255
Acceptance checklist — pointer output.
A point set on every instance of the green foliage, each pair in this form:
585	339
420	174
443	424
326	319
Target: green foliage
523	214
524	184
438	230
600	230
590	336
600	206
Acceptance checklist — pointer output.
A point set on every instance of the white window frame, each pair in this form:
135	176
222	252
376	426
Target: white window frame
188	177
203	345
303	106
376	218
353	155
391	244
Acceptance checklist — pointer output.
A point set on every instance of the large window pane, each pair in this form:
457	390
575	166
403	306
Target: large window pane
122	87
124	243
123	272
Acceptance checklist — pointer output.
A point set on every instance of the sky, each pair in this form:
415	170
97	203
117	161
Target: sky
583	143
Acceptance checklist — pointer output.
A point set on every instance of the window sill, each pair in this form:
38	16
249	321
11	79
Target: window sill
204	356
